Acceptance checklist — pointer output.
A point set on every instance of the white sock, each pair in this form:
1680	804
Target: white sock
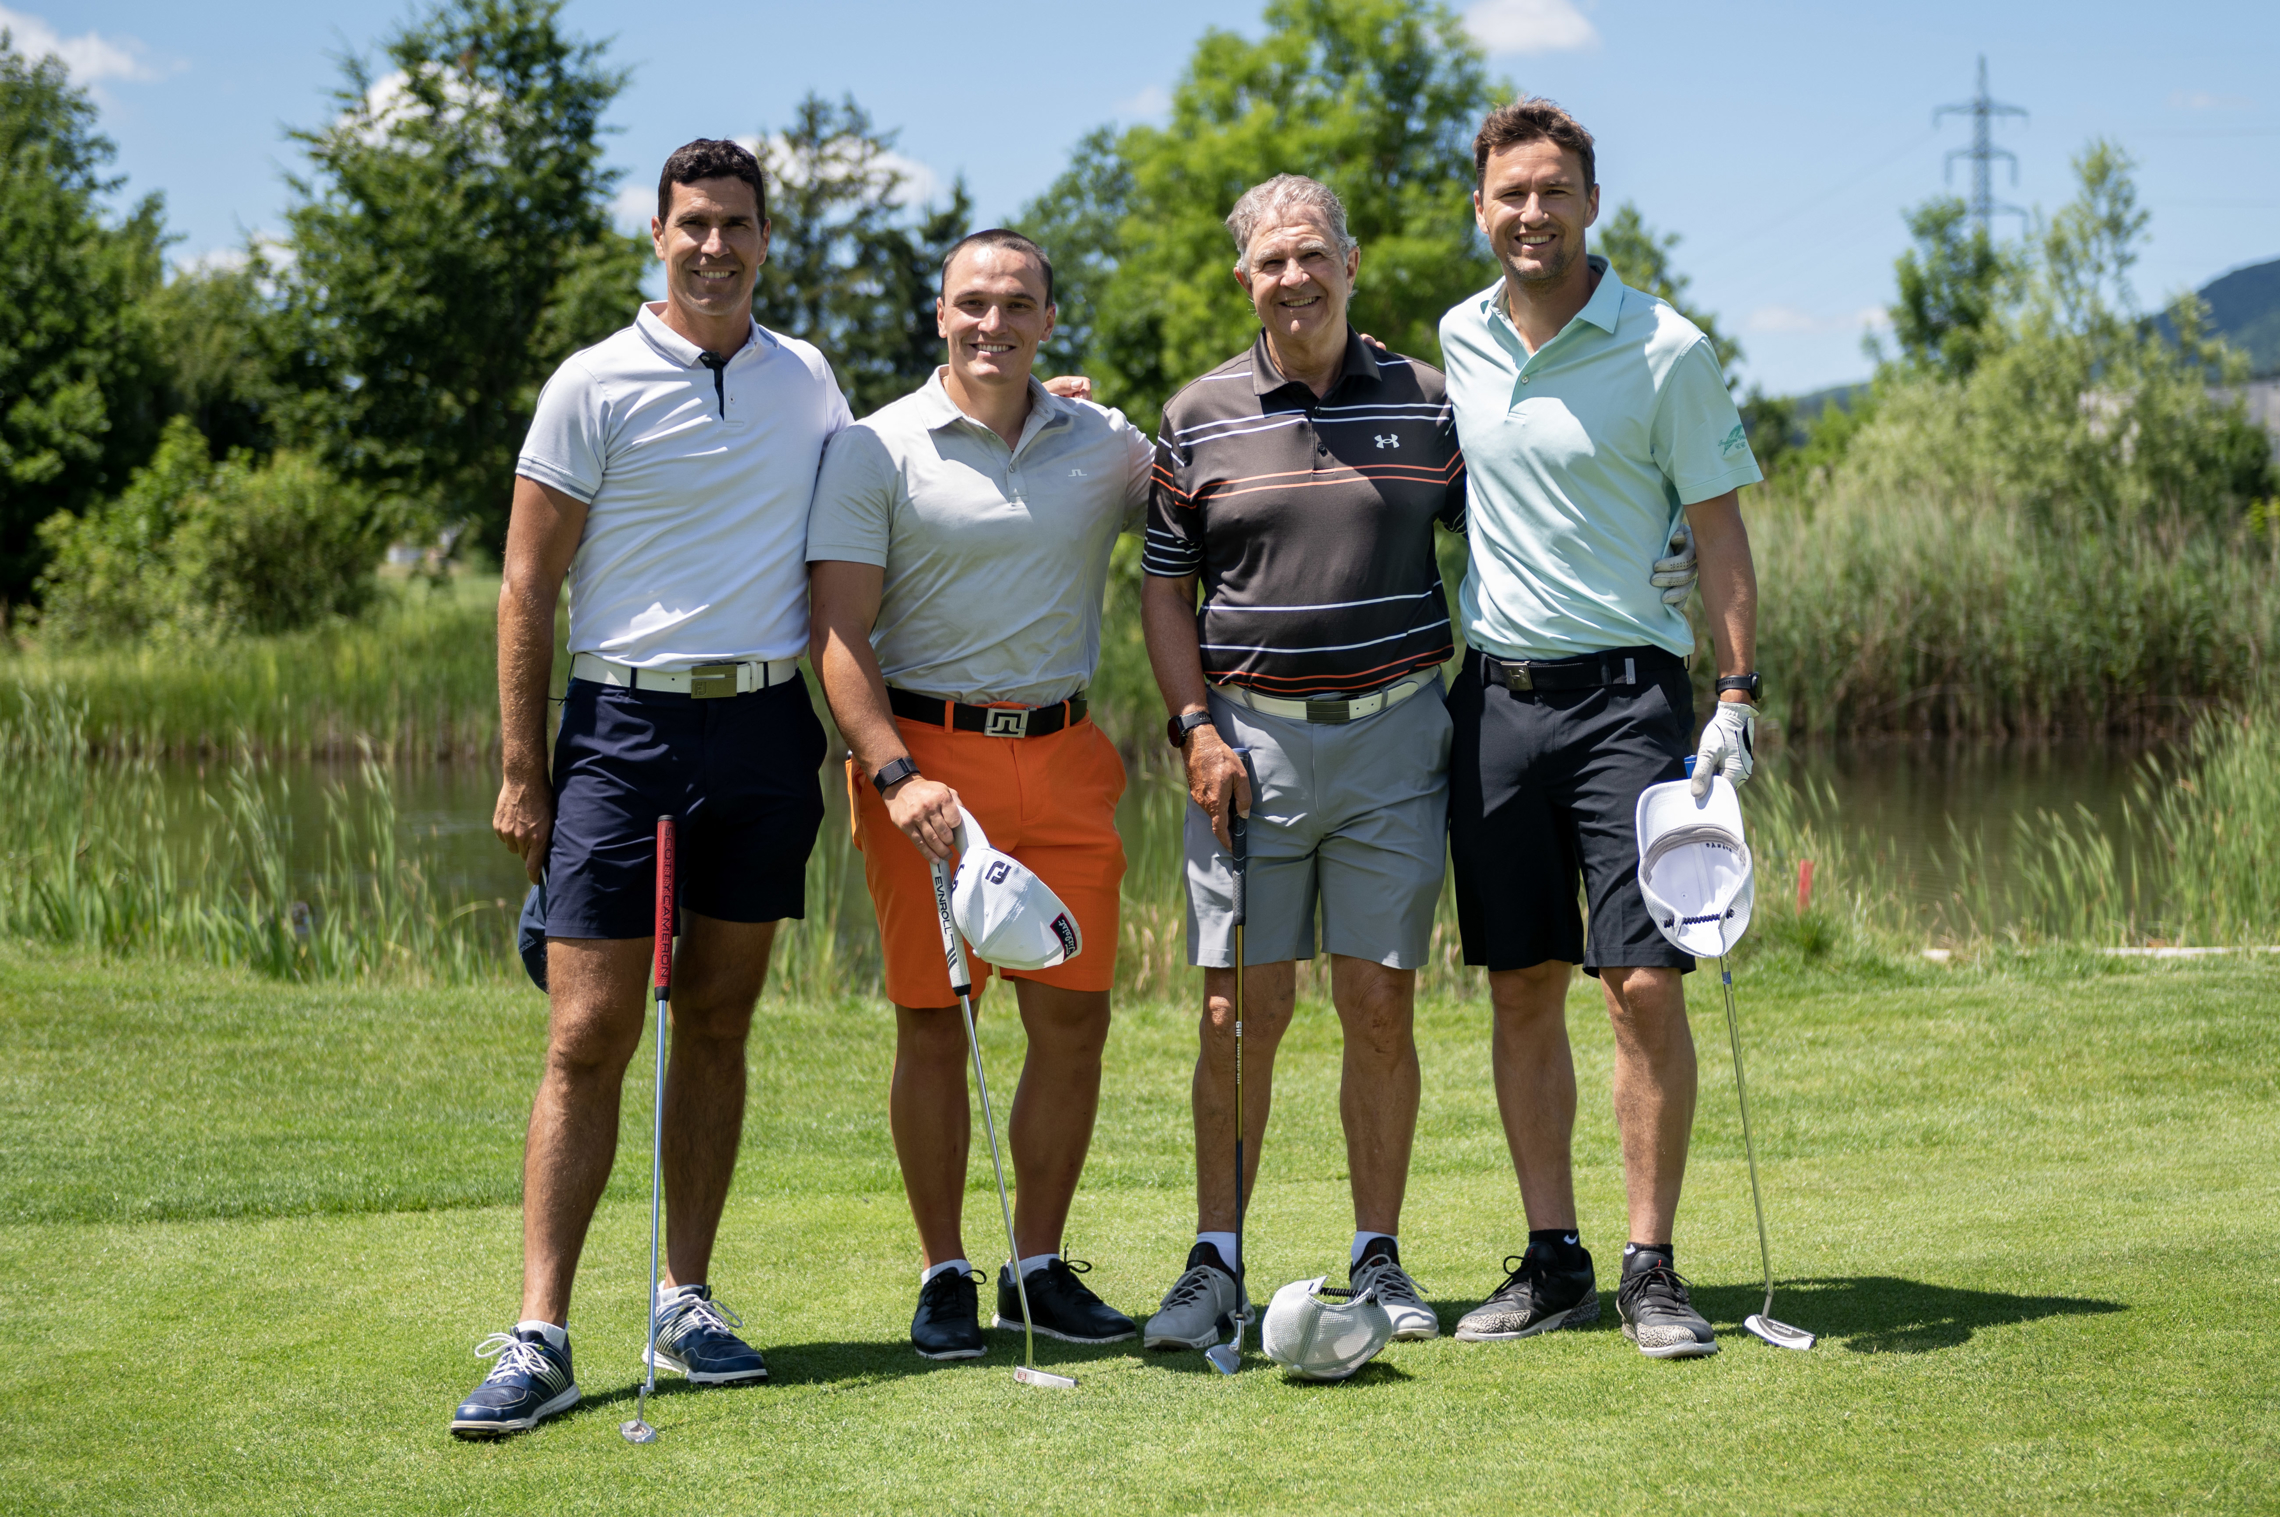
666	1293
943	1268
1229	1249
1362	1241
557	1336
1036	1262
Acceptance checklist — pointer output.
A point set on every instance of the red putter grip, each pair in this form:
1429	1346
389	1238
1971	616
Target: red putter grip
665	916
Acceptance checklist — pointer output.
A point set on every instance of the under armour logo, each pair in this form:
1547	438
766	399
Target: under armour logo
1386	440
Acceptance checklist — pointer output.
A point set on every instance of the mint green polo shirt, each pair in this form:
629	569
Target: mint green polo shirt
1580	458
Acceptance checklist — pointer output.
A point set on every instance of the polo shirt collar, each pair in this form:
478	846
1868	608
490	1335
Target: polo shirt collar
940	410
1359	363
679	349
1603	310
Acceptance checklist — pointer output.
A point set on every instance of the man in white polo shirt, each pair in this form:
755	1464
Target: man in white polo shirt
668	473
960	547
1594	419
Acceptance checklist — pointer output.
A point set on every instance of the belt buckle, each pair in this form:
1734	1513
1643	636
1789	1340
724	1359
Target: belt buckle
1006	721
711	682
1329	711
1517	678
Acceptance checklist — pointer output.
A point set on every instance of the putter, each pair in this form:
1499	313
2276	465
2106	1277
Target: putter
962	981
1227	1357
639	1430
1760	1323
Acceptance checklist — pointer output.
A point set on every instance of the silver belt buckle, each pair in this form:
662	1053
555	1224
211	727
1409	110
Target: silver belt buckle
1006	721
711	682
1517	677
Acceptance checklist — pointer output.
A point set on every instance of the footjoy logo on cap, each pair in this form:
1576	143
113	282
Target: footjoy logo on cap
1066	931
997	872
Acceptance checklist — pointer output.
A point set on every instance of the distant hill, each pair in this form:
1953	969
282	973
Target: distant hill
2244	308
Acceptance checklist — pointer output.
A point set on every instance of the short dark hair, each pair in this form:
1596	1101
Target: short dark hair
711	158
998	237
1532	118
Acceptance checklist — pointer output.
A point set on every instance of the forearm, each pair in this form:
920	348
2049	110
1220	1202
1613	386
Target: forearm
1729	581
526	670
1167	620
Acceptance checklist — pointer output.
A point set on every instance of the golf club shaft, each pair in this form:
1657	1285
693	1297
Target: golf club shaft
1749	1142
656	1194
1239	835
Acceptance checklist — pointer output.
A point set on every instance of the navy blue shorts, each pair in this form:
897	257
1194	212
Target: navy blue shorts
738	774
1544	788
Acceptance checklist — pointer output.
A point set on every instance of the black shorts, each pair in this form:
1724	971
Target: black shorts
737	773
1544	787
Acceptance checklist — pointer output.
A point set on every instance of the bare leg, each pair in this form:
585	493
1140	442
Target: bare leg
1378	1087
1654	1092
926	1110
1269	991
717	974
1051	1125
1535	1086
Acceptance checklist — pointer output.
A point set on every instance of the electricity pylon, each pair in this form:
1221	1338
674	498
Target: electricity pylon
1983	152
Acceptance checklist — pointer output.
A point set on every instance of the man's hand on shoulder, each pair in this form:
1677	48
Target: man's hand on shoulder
1675	576
1069	386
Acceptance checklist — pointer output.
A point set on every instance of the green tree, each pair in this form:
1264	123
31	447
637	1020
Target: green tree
1952	284
849	268
451	244
215	332
78	381
1379	99
1076	222
1641	257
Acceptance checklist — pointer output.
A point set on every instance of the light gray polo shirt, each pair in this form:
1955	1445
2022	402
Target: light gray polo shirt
996	558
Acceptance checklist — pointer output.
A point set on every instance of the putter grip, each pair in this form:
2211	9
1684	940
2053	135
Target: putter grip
953	950
665	914
1238	832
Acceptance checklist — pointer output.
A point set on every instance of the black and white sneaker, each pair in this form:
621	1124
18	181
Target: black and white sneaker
696	1337
948	1322
529	1383
1657	1314
1060	1305
1535	1298
1379	1269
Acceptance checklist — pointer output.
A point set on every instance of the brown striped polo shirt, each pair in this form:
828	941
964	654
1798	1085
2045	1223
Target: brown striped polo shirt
1310	520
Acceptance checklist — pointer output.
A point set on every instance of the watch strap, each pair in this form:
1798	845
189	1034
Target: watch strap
894	773
1748	684
1178	728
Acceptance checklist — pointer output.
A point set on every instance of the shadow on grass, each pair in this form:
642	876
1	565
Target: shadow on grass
1882	1314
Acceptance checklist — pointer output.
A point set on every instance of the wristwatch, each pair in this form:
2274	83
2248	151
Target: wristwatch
1178	728
1746	683
895	773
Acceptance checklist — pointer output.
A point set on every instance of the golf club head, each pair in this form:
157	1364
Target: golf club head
1227	1357
637	1431
1779	1334
1028	1375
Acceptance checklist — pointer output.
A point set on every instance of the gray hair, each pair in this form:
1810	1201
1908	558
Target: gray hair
1269	204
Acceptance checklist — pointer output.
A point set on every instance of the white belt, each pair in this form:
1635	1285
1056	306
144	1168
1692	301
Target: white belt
699	682
1327	711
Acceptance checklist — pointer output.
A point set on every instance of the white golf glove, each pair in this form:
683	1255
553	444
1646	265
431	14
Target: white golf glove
1728	745
1675	576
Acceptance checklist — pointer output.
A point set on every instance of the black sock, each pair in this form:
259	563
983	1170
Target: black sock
1668	1251
1563	1244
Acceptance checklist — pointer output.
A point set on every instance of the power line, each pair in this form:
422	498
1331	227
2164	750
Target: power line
1983	152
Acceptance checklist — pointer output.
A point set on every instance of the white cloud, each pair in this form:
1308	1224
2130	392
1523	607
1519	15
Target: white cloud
90	56
919	182
1531	26
634	206
1789	321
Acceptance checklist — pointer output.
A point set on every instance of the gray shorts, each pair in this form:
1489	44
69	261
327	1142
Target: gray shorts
1353	815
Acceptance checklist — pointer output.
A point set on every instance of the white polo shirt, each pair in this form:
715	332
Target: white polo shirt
996	558
696	488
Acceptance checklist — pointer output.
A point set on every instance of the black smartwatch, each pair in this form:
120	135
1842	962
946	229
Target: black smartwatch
1746	683
895	773
1178	728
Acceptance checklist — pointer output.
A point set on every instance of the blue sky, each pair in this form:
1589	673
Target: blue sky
1781	140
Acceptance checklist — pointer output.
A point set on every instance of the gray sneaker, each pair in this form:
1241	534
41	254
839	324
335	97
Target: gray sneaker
1658	1313
1534	1298
1199	1307
1380	1270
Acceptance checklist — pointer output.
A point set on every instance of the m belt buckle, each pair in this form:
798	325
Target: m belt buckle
1006	721
1516	676
710	682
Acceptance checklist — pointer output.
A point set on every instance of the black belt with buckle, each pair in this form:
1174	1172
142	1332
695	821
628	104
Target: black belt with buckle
1584	671
990	721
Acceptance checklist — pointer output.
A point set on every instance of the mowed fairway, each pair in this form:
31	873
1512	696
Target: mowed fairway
249	1232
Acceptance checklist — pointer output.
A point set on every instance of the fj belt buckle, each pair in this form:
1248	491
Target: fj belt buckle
710	682
1517	677
1006	721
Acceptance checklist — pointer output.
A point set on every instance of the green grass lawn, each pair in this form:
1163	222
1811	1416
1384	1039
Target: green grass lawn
249	1232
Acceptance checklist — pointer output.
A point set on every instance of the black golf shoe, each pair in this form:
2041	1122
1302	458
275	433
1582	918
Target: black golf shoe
948	1323
696	1336
1536	1297
529	1383
1060	1306
1657	1314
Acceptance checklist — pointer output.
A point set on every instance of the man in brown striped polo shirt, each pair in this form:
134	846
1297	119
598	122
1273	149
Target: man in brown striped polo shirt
1299	483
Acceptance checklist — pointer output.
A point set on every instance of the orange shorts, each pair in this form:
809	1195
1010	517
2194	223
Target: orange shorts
1049	801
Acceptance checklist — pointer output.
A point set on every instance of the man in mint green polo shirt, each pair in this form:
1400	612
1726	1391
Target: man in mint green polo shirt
1594	421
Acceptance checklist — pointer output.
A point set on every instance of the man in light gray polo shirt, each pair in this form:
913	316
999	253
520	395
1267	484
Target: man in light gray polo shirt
959	549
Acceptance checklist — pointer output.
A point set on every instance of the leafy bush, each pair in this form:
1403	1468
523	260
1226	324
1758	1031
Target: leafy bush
196	551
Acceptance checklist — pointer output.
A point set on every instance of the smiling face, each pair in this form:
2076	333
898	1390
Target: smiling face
713	243
1298	280
994	313
1533	206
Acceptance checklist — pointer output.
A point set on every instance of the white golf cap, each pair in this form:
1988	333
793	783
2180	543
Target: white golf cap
1694	866
1313	1338
1012	918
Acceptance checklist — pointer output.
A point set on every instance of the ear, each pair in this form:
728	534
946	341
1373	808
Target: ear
1480	213
1052	315
1242	281
1593	218
657	235
941	319
765	228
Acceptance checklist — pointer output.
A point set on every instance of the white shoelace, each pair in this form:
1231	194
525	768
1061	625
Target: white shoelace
702	1313
516	1356
1389	1280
